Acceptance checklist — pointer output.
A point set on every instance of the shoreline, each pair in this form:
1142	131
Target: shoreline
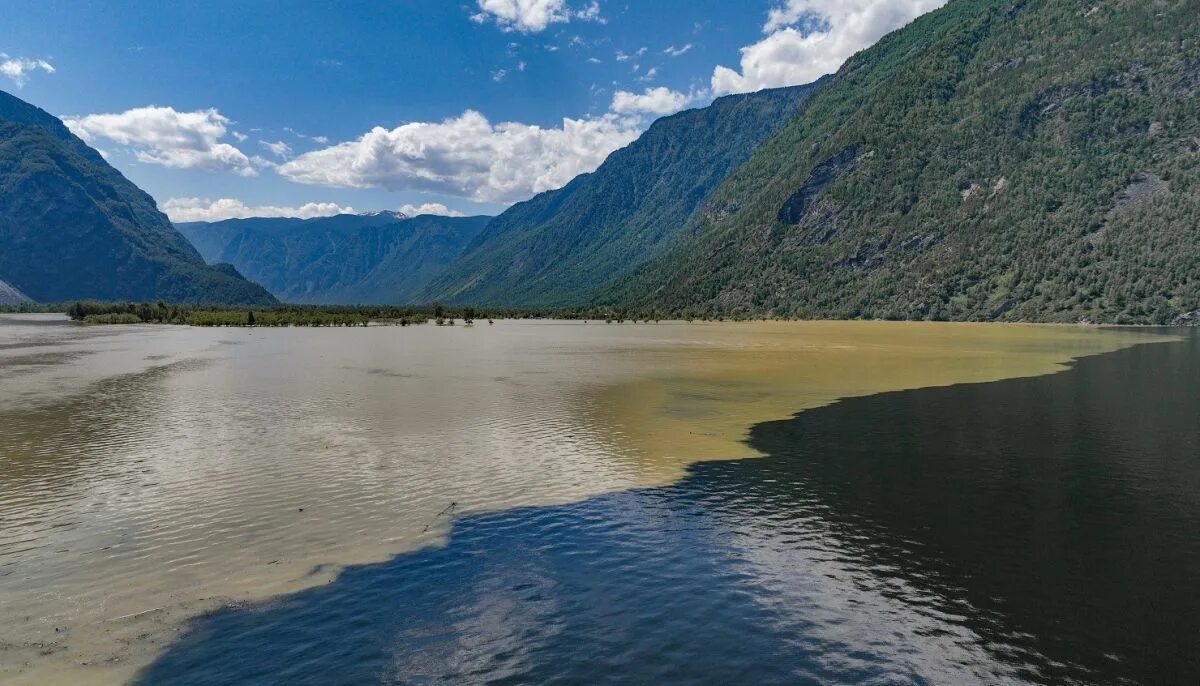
419	314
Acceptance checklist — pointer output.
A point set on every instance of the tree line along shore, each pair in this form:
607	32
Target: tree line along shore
190	314
160	312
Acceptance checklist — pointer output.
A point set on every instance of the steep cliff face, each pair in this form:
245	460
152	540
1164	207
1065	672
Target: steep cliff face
1028	160
560	247
73	227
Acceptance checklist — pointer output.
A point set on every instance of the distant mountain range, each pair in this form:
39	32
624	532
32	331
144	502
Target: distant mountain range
560	247
72	227
376	258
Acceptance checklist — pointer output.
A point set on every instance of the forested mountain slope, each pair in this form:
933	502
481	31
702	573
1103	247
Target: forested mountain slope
380	258
561	246
73	227
996	159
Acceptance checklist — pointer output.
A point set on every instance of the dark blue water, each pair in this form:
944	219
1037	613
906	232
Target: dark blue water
1043	530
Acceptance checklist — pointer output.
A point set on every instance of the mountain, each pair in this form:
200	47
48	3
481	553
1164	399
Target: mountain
10	295
72	227
559	247
995	159
378	258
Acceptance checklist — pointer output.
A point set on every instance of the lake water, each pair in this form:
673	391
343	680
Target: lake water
575	502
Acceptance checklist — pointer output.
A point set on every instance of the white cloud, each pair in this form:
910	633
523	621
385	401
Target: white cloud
164	136
467	156
430	208
807	39
278	148
660	101
19	68
321	140
206	210
533	16
673	51
591	12
499	75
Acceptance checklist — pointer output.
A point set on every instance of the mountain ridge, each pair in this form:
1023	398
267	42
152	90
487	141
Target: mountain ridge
73	227
558	247
371	258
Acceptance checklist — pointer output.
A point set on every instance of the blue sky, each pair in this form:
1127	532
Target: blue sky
466	105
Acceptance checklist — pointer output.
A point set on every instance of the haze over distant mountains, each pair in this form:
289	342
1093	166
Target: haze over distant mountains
72	227
376	258
10	295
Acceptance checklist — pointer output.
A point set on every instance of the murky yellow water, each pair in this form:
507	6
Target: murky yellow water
149	474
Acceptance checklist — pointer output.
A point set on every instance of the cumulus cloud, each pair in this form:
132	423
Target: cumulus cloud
673	51
660	101
430	208
533	16
19	68
167	137
807	39
206	210
467	156
278	148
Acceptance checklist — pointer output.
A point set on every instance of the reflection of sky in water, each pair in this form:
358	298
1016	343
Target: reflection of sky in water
152	473
831	561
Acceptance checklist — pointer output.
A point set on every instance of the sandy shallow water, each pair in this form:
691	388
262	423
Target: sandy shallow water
151	474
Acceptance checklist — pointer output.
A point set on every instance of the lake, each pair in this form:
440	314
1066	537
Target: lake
551	501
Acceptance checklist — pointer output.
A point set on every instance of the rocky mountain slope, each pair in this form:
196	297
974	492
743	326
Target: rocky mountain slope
72	227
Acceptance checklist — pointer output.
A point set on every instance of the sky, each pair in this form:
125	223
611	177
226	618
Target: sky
228	108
